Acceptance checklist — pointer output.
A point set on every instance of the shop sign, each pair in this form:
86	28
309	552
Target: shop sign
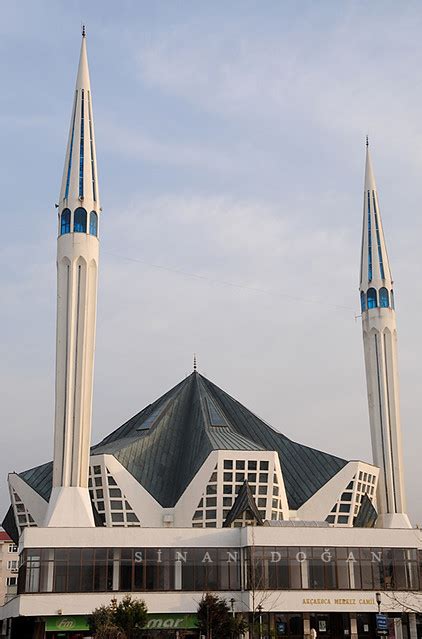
339	601
232	556
281	627
171	621
159	621
382	624
66	623
183	557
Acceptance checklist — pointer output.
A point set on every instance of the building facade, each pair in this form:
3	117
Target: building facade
9	561
292	576
195	493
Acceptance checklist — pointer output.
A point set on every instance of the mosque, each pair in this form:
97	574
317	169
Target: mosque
195	492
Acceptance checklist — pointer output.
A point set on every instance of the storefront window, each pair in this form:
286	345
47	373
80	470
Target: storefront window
218	569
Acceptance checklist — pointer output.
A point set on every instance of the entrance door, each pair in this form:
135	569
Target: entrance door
366	625
333	625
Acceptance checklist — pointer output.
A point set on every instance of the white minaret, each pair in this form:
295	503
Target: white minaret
380	346
77	273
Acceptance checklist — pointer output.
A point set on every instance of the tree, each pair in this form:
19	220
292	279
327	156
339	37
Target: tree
405	601
101	623
131	616
124	620
262	598
215	619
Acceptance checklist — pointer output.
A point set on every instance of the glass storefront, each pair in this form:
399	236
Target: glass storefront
291	625
275	568
285	624
218	569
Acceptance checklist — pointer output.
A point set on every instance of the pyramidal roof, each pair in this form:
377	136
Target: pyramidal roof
165	444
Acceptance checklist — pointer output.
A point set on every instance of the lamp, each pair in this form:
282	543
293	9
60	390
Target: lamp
232	602
378	600
260	621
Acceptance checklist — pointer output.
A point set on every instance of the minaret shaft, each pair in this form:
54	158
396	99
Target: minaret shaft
380	347
77	267
77	274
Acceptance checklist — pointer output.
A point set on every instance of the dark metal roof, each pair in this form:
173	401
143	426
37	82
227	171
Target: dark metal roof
40	479
165	444
244	502
367	514
9	524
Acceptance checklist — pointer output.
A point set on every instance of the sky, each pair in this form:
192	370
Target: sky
230	144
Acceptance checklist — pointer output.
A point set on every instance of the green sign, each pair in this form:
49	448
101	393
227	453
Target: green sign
159	621
169	621
66	623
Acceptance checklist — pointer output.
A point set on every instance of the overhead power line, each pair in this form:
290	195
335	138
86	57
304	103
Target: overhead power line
246	287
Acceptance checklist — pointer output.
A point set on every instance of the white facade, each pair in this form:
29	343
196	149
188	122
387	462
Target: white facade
339	500
304	599
380	346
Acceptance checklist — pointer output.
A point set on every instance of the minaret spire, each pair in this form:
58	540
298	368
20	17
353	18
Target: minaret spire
375	266
79	182
77	272
380	346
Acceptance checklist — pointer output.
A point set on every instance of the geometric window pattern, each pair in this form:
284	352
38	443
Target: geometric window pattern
80	222
224	484
374	299
80	217
205	515
93	223
111	504
347	506
22	515
65	222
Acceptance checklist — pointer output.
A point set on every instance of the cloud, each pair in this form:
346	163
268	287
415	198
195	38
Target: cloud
131	144
230	148
347	79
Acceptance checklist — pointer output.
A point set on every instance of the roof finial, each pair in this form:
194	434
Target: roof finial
194	362
367	141
83	31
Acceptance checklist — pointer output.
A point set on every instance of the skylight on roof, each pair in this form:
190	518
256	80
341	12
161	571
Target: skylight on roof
153	417
216	418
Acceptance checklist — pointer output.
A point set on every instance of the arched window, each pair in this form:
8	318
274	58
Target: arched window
362	301
384	298
93	223
392	298
65	222
79	224
372	298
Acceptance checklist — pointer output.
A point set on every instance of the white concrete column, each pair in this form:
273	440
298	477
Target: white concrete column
353	626
398	628
116	569
413	630
306	625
